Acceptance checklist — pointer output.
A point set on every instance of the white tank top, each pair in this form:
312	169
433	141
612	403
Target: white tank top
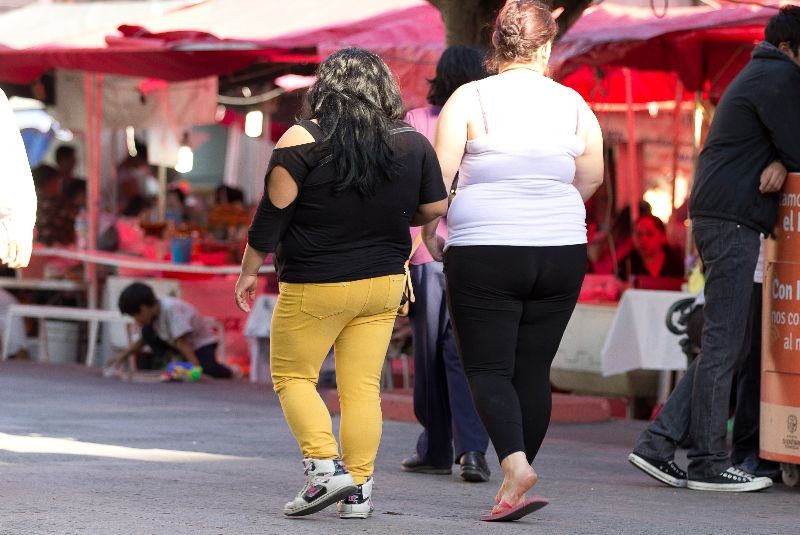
515	182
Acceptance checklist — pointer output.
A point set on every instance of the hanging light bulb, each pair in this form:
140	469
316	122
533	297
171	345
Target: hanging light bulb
254	123
185	156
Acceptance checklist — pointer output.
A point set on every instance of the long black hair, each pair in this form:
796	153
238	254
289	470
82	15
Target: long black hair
458	65
357	102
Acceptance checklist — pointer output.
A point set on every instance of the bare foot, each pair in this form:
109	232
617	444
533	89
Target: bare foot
519	479
501	491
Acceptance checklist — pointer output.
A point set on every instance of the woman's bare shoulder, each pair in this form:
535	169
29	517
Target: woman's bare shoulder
296	135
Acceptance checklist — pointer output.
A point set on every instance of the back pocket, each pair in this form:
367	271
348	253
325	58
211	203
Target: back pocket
397	284
324	300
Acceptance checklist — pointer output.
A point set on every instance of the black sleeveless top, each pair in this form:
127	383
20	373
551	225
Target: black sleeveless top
325	236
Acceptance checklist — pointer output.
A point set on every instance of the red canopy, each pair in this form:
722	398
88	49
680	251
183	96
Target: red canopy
186	54
701	44
607	85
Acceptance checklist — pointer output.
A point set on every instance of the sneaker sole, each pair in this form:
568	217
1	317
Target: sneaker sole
730	487
347	516
325	501
655	473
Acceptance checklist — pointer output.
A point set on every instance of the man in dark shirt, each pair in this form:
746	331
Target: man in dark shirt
732	203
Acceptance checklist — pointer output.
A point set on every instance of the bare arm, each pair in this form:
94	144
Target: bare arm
452	129
281	191
186	350
125	353
429	212
589	167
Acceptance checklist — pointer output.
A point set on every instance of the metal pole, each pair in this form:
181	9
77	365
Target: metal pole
633	176
676	138
162	192
93	87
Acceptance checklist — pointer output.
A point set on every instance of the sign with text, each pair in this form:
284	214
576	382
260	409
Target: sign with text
780	341
781	318
786	245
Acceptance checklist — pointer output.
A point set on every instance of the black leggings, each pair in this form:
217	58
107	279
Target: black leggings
509	307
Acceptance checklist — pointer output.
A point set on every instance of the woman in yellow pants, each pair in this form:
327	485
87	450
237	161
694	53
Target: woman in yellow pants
341	190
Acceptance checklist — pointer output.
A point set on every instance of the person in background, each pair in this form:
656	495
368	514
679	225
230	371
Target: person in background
228	195
341	190
176	210
56	221
172	325
742	167
131	235
528	153
651	255
442	401
17	193
66	162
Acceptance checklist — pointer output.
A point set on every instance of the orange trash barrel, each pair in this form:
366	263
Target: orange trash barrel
780	346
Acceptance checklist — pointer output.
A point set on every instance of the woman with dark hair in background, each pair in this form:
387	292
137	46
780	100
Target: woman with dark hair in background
651	255
342	188
529	153
442	402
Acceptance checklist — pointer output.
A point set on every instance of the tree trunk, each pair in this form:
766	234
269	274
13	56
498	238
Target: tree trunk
469	22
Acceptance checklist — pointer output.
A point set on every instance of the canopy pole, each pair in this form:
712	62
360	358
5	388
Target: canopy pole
162	193
633	177
697	135
676	139
93	89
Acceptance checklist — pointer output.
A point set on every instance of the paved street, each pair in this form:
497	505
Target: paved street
217	458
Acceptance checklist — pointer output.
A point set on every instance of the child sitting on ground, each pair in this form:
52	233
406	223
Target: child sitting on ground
170	324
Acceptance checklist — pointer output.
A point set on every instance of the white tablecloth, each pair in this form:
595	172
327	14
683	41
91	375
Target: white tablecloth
638	338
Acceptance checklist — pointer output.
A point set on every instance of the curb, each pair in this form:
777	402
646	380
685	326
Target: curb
398	405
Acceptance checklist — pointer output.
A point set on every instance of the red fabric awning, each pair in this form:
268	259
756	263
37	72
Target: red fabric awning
24	66
701	44
606	85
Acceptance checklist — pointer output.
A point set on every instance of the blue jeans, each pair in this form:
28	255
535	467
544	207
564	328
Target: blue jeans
698	407
442	400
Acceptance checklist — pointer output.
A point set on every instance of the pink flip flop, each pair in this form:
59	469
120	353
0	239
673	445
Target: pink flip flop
516	512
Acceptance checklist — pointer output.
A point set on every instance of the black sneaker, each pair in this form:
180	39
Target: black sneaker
731	480
415	464
665	471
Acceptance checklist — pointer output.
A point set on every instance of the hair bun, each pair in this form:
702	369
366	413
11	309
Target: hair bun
521	28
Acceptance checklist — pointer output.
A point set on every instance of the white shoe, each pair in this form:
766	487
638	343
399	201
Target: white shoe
358	504
327	482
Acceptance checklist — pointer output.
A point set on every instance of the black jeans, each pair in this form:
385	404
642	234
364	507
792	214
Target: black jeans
207	355
747	420
698	407
509	307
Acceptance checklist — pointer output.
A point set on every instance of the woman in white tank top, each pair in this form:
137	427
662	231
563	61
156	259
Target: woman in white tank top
528	153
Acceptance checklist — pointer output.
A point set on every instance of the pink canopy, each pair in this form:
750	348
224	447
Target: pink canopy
701	44
179	54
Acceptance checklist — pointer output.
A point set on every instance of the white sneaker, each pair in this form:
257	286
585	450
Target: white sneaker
731	480
327	482
358	504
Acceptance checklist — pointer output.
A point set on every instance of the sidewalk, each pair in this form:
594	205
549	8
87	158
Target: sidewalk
80	454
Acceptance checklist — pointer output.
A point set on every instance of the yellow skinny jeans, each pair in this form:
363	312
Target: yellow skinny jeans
356	318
